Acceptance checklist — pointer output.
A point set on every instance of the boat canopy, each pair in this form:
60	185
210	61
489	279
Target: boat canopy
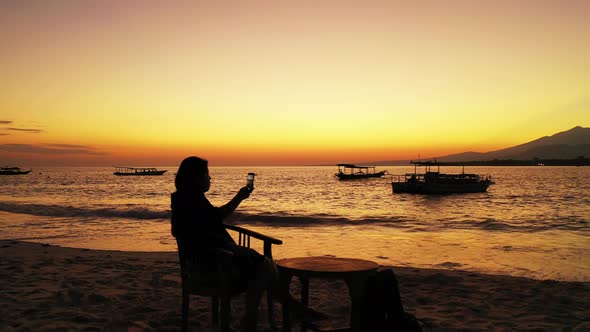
354	166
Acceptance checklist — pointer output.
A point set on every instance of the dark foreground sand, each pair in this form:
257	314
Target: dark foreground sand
49	288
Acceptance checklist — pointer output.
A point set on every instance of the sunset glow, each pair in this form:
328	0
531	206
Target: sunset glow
285	83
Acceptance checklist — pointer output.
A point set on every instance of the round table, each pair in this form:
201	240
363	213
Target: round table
353	271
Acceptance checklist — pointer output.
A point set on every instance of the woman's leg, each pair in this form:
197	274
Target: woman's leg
264	273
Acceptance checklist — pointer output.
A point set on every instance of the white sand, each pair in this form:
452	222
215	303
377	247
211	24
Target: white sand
50	288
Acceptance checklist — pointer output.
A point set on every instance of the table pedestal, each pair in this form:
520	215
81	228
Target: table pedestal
354	272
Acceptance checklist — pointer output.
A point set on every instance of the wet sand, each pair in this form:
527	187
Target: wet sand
51	288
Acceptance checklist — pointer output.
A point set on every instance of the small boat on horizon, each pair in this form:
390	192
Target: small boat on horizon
13	171
137	171
350	172
431	182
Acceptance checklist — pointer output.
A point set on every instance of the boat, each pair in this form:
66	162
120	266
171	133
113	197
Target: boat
129	171
431	182
12	171
350	172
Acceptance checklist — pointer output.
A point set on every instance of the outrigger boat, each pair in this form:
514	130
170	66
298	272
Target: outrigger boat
349	172
431	182
12	171
125	171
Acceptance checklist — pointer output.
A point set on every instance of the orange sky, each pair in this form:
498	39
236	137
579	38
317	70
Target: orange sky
285	82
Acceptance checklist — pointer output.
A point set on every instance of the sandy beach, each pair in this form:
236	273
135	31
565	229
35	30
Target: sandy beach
51	288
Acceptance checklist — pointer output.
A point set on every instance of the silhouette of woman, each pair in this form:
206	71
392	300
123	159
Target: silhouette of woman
197	226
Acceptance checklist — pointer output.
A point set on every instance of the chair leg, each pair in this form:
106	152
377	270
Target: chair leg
184	315
214	311
225	313
269	304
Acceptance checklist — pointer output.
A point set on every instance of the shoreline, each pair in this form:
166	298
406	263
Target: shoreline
551	254
47	287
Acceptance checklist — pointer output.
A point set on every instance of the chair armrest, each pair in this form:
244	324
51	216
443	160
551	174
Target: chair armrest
253	234
244	238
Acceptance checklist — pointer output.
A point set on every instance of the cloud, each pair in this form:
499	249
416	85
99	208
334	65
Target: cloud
28	130
69	146
56	149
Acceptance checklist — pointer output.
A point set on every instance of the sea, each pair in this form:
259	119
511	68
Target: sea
533	222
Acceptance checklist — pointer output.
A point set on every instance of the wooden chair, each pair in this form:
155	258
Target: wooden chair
218	286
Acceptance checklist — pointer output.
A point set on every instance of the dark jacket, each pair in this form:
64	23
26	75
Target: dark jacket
197	224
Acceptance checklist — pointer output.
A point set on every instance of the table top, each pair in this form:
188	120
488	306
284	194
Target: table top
327	265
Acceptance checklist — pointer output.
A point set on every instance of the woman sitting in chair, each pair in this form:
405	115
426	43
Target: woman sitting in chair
197	226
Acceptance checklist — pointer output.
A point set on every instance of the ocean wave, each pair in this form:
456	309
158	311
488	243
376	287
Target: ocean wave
491	225
52	210
134	212
285	219
541	225
314	220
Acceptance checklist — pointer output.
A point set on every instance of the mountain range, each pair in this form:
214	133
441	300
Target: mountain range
570	144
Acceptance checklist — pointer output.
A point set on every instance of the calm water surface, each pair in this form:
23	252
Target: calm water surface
533	222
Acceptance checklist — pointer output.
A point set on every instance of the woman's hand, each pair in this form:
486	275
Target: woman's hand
244	193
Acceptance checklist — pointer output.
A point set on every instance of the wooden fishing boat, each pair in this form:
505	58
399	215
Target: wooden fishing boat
431	182
138	171
350	172
12	171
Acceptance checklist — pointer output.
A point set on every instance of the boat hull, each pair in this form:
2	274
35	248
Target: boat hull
343	176
14	173
439	189
152	173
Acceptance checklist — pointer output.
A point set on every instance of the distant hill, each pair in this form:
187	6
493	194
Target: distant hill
564	145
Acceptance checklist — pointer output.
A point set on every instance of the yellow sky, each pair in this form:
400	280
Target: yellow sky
286	82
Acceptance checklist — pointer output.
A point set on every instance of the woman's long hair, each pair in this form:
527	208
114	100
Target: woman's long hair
190	171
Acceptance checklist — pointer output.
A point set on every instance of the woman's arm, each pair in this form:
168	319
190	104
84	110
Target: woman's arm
231	206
